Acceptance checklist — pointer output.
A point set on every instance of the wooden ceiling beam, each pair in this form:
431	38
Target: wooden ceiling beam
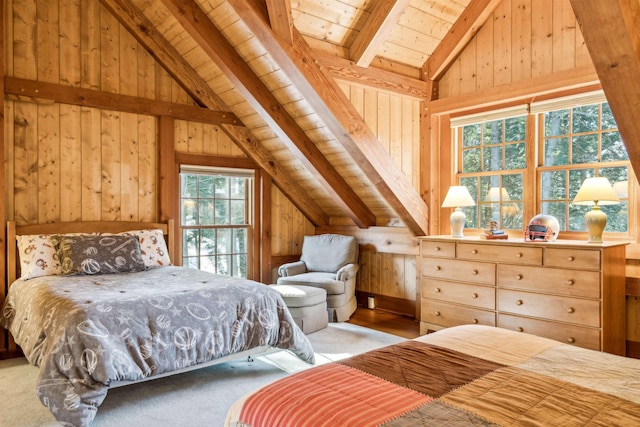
228	60
341	117
346	70
461	32
280	18
376	29
611	31
167	56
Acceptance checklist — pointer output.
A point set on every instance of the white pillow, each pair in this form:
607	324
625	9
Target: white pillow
37	256
152	247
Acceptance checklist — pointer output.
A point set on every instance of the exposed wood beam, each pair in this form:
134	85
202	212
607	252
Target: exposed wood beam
340	116
577	79
343	69
461	32
217	47
280	18
144	31
611	31
37	91
384	16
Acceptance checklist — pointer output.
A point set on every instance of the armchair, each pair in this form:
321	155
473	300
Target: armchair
328	261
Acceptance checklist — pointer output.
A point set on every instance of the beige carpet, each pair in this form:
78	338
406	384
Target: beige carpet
193	399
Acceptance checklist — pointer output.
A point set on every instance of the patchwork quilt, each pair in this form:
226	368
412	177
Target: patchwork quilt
88	331
469	375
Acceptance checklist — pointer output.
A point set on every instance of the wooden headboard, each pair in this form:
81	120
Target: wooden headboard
77	227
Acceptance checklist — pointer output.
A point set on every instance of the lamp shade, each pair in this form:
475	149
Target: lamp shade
596	191
457	196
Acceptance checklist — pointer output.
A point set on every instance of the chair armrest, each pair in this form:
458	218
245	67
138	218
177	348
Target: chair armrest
292	268
347	272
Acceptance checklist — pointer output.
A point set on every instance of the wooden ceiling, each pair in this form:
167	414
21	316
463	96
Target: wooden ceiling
276	65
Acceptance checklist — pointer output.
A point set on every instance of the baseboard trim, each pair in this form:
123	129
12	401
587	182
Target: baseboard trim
394	305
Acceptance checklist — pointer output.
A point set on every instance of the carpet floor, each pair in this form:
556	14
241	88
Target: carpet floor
193	399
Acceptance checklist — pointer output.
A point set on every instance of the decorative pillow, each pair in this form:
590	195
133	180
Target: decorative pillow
37	256
98	254
152	247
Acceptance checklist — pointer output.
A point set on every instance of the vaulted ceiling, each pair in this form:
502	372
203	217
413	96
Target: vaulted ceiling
276	65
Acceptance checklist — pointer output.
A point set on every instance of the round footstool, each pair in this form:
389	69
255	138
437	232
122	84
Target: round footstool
307	305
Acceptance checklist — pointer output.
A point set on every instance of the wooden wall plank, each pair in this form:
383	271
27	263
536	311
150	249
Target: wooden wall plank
129	170
70	41
541	43
48	171
111	197
521	40
90	44
26	163
148	166
109	53
71	163
91	158
24	39
48	41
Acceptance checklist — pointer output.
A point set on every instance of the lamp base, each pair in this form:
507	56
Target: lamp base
596	221
458	219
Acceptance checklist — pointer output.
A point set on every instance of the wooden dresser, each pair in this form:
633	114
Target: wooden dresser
567	290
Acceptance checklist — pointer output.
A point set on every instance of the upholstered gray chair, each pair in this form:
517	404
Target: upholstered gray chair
330	262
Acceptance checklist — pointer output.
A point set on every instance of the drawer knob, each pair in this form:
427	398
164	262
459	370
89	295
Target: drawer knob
570	310
519	277
474	321
519	255
571	340
437	290
570	282
474	272
437	248
519	302
520	329
474	295
570	258
474	251
437	313
438	268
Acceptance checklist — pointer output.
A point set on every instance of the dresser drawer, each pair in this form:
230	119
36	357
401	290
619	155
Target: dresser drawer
447	315
530	255
461	293
438	249
552	307
572	258
465	271
554	280
571	334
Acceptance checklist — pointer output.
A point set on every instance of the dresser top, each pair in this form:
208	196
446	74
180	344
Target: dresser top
520	241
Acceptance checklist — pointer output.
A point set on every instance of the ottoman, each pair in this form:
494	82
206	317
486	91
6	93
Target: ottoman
307	305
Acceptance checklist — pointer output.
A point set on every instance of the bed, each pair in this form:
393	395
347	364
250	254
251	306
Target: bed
466	375
97	305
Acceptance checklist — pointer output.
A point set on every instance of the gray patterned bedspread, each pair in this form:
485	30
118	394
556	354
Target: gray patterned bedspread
88	331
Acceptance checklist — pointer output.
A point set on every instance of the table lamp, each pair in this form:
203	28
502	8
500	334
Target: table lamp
457	196
597	192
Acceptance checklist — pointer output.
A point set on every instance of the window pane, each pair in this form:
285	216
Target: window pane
240	265
585	119
515	129
239	240
515	156
223	265
513	183
207	241
471	160
489	212
554	185
189	215
208	263
584	149
557	209
471	213
222	187
189	185
472	186
576	177
617	216
556	123
238	212
471	135
512	216
613	148
576	217
238	188
191	262
205	212
205	186
556	151
608	122
190	243
224	241
492	132
222	212
492	159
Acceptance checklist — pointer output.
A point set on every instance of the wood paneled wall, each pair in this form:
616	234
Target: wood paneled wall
523	39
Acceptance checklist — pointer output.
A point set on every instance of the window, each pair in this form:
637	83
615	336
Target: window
493	162
216	217
579	143
576	138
